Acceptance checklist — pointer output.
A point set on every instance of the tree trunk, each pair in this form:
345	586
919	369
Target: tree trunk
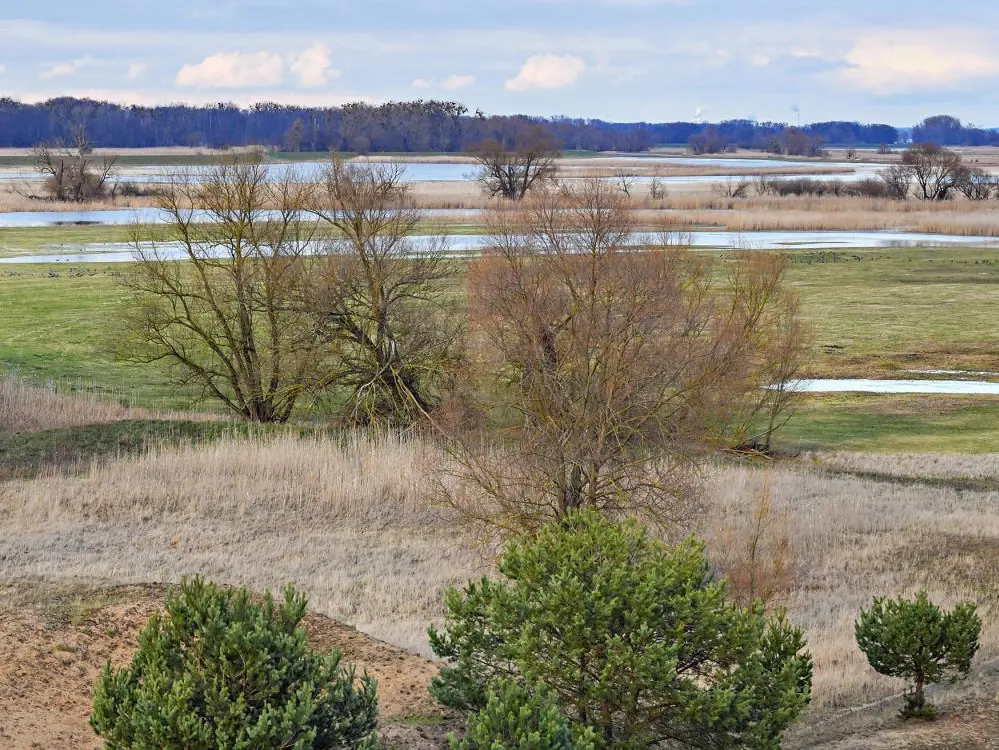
918	699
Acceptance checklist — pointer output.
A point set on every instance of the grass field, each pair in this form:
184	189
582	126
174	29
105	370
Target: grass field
15	241
104	482
873	313
883	312
61	324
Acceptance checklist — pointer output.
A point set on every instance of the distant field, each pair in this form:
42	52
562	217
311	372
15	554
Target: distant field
167	158
873	314
878	312
15	241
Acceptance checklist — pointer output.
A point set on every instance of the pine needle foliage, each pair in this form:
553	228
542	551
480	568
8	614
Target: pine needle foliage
220	671
516	717
916	640
635	639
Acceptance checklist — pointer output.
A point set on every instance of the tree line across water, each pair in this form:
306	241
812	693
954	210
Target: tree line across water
417	126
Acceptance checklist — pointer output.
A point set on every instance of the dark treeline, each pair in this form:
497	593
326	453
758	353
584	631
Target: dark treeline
760	135
408	126
945	130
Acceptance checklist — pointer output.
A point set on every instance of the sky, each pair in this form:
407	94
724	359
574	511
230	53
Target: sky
890	61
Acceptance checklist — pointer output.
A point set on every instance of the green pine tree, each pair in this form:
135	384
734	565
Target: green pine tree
635	639
917	641
518	718
222	672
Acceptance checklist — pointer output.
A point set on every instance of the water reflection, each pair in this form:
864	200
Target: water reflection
863	385
471	244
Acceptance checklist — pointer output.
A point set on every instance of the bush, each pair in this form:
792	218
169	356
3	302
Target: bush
219	671
917	641
635	639
517	718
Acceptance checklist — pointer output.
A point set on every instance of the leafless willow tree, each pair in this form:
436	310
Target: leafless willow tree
625	180
734	187
218	300
657	188
265	292
383	297
617	352
936	171
513	172
897	181
74	173
768	349
977	184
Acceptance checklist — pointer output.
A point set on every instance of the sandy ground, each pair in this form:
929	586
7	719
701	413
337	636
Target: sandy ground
51	654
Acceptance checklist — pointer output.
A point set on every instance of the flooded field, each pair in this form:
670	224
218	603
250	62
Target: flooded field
144	215
930	387
116	252
458	172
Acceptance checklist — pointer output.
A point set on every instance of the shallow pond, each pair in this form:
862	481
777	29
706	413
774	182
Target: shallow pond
862	385
449	172
145	215
471	244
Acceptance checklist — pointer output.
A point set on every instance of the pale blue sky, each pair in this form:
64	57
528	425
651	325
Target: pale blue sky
889	61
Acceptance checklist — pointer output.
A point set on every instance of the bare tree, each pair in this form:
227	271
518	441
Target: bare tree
937	171
897	181
513	172
616	350
383	298
732	188
978	184
74	174
625	181
773	350
226	317
657	188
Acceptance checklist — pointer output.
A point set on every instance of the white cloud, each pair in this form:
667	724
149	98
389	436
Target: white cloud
244	98
760	61
313	66
234	70
455	82
137	70
422	83
68	69
805	52
547	72
903	61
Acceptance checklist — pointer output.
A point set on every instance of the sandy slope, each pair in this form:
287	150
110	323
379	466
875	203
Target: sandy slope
51	655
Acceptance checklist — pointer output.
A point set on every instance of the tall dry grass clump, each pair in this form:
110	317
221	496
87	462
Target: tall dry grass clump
353	521
25	407
349	520
829	213
850	539
269	481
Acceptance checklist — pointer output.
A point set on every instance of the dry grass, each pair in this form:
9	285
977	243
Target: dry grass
353	523
29	408
827	213
11	200
853	539
911	466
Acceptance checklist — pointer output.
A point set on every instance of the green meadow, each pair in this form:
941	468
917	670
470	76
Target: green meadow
872	313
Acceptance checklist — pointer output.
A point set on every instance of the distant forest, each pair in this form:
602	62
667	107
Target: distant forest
413	127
